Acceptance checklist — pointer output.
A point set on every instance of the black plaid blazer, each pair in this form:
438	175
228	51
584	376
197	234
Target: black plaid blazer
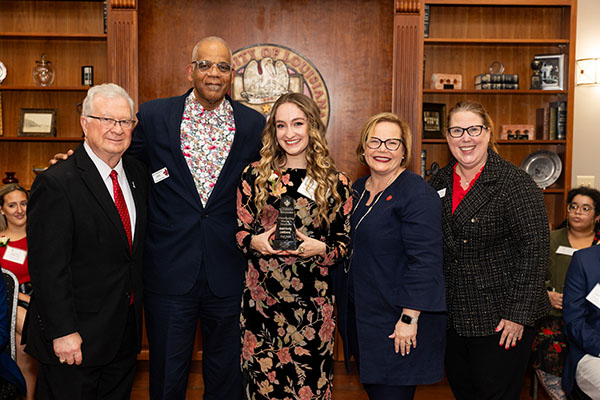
496	248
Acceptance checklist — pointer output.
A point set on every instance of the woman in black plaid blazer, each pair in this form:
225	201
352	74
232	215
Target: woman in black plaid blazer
496	243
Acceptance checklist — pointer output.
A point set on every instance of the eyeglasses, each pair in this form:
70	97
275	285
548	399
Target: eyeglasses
205	66
108	123
584	209
474	130
390	144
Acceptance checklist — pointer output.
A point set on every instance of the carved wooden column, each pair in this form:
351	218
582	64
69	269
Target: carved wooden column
122	43
407	81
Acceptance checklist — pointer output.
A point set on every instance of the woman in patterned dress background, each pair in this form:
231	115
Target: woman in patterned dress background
287	320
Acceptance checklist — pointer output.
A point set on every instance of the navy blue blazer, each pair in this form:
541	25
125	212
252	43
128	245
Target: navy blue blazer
396	263
182	232
582	318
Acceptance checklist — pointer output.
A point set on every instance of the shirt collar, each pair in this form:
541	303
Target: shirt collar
101	166
192	100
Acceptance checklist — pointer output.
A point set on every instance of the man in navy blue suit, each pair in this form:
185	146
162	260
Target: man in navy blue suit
195	146
581	312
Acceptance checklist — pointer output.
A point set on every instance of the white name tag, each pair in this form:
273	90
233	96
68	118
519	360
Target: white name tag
442	192
308	188
567	251
15	255
160	175
594	296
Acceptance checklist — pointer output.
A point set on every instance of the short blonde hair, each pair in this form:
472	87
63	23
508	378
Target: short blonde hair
369	127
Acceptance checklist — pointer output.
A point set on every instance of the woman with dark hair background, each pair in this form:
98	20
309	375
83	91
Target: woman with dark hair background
13	256
579	230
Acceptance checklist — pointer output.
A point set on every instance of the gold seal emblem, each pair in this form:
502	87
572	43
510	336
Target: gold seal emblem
263	72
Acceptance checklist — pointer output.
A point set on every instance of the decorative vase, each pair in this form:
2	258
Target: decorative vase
43	73
10	178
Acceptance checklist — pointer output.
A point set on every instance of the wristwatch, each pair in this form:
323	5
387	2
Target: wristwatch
407	319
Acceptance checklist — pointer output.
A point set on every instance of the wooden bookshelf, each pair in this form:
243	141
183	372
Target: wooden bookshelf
72	34
465	37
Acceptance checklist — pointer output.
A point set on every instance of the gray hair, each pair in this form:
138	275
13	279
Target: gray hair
212	39
109	90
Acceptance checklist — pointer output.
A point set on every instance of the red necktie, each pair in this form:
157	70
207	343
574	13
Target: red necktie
121	205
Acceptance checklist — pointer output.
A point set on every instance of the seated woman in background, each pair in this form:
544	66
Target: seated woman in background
13	257
581	229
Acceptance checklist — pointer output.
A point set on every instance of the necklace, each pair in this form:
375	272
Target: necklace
374	202
347	268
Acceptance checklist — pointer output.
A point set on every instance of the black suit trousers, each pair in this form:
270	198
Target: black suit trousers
479	369
108	382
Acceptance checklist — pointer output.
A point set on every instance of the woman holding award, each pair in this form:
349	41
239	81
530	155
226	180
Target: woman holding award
392	311
287	320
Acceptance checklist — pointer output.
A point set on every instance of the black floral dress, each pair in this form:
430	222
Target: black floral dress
287	320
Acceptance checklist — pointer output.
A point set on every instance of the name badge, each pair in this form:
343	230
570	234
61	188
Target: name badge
308	187
594	296
15	255
442	192
567	251
160	175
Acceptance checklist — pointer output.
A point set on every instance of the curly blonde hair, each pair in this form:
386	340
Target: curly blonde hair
320	165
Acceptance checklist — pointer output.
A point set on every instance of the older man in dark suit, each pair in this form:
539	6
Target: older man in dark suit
86	226
195	146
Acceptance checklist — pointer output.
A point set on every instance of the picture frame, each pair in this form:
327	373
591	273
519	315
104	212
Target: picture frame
552	71
37	122
434	120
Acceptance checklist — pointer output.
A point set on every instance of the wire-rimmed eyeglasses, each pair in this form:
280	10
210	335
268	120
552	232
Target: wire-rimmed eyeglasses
108	123
390	144
584	209
473	130
205	66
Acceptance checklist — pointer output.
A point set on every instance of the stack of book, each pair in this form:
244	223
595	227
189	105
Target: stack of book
427	16
496	81
552	121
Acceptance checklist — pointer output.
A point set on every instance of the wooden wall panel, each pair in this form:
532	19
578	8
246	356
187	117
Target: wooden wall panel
408	80
123	46
349	42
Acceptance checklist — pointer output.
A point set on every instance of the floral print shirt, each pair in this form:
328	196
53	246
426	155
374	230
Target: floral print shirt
206	138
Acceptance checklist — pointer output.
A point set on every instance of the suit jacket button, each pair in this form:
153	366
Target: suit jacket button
465	241
473	220
204	215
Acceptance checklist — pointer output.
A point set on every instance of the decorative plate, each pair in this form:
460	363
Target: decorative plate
543	166
2	72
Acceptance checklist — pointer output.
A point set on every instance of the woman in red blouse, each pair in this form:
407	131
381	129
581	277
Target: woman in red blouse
13	257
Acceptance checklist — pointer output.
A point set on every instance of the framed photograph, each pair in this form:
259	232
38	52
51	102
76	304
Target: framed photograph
37	122
552	71
434	120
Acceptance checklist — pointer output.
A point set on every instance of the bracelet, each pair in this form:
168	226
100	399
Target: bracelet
23	303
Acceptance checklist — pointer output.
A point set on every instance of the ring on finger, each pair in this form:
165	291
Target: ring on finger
301	249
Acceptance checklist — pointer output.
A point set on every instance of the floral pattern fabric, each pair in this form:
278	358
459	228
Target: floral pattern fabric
287	320
550	345
206	138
